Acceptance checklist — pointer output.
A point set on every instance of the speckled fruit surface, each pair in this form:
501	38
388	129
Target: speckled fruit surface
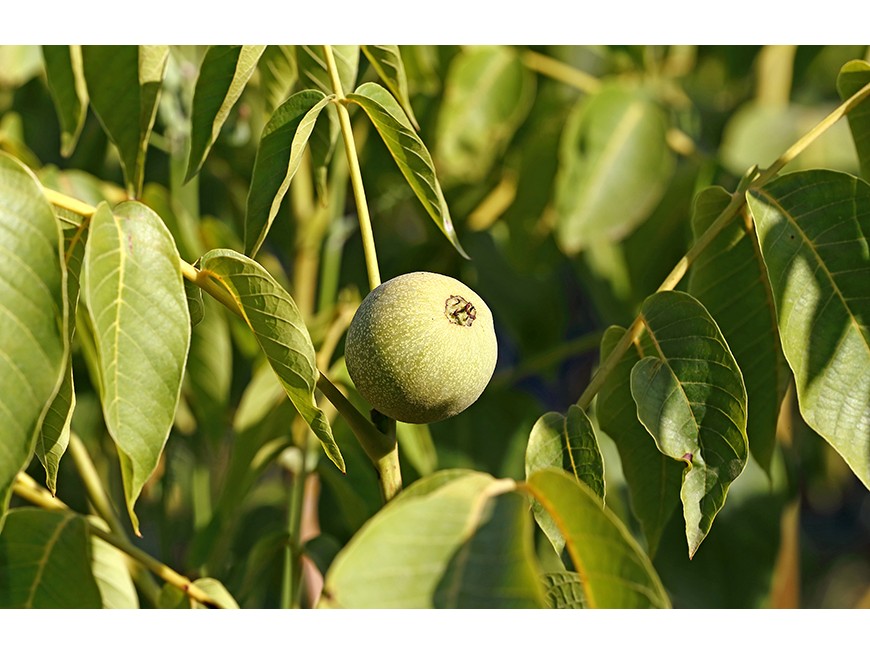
421	347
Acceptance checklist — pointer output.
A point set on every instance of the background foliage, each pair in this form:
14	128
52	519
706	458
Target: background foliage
574	178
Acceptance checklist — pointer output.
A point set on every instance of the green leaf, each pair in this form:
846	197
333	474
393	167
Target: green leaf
653	479
613	569
730	280
313	74
813	228
409	153
109	566
124	84
18	64
415	443
33	308
216	591
278	74
278	157
387	62
564	590
488	93
275	320
466	543
45	562
566	442
137	305
690	396
53	438
66	82
224	72
852	78
194	303
614	167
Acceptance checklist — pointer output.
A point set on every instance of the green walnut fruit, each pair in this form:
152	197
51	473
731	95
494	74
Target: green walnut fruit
421	347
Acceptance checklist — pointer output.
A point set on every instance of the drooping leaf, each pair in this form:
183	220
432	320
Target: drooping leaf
690	396
195	307
278	74
487	95
311	63
124	84
53	438
109	566
275	320
567	442
224	72
409	153
66	82
812	227
653	479
45	562
278	157
387	61
564	590
322	142
852	78
613	569
33	311
463	543
415	443
730	280
614	166
137	305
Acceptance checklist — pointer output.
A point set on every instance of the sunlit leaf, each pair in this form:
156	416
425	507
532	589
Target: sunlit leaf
33	309
462	544
813	227
66	82
124	83
614	166
45	562
278	157
415	443
137	304
54	435
387	61
653	479
567	442
690	396
275	320
487	95
224	72
730	280
311	63
409	153
18	64
217	591
112	574
278	74
853	77
613	569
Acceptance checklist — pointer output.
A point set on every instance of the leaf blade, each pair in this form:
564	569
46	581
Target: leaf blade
33	305
280	330
615	572
853	76
138	307
409	153
691	398
224	72
387	62
812	228
66	82
279	154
